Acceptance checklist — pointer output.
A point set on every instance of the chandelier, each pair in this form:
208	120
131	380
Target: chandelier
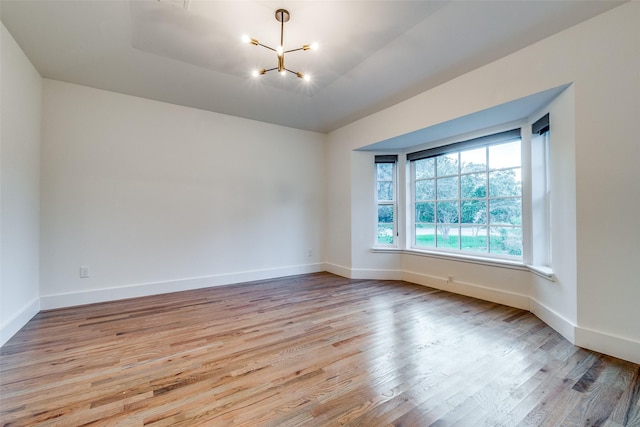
282	16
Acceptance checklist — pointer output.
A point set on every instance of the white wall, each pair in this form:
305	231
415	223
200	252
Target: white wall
155	197
607	155
597	294
21	91
556	303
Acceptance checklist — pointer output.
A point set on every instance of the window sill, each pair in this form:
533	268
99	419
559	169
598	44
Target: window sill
542	271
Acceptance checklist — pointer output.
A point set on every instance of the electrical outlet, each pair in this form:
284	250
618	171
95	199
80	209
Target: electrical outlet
84	271
310	252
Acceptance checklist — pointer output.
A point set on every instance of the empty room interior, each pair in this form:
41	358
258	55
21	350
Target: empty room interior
375	213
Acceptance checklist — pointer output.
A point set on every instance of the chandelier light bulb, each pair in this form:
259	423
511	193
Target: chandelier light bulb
279	50
312	46
255	73
247	39
305	77
283	72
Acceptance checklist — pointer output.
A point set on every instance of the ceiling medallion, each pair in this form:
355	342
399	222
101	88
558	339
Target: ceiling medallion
282	16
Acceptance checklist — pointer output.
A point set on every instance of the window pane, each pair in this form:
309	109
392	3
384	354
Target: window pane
473	160
425	190
505	183
448	236
447	188
424	168
384	171
473	212
447	212
385	233
504	155
447	164
424	212
425	235
385	214
505	240
385	190
473	185
505	211
473	238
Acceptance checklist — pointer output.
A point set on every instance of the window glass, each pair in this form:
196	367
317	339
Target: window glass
385	171
473	238
447	212
505	241
447	188
448	237
425	212
473	212
505	211
425	189
473	160
425	235
504	183
424	168
447	164
504	155
473	185
385	190
385	224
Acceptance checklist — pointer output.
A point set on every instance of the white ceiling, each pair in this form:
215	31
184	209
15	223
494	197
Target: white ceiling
373	54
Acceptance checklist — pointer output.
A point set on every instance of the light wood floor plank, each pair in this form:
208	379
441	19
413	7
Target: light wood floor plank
311	350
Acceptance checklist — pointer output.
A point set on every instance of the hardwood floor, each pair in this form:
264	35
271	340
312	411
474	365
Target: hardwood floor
313	350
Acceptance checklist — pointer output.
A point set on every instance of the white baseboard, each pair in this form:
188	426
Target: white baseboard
363	273
511	299
559	323
48	302
15	323
612	345
338	270
371	274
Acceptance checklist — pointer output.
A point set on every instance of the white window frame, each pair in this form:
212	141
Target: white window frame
540	209
393	202
449	147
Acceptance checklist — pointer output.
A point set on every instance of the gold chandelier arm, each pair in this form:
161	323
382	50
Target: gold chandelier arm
294	50
305	47
268	47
